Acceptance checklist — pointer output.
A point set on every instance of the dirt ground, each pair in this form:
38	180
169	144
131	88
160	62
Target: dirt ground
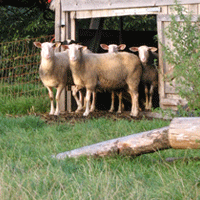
73	117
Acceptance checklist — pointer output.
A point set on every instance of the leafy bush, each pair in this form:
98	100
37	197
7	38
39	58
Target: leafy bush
184	55
22	22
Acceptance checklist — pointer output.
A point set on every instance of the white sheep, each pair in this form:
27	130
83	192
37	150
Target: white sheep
113	48
53	71
111	71
77	89
149	79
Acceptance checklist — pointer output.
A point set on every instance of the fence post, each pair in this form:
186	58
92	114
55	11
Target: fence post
58	25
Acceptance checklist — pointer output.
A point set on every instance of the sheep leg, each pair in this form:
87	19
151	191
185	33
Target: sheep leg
88	96
112	107
50	90
151	96
80	96
92	108
78	102
120	103
135	104
58	93
147	97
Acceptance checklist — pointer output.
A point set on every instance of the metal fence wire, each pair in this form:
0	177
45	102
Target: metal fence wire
19	64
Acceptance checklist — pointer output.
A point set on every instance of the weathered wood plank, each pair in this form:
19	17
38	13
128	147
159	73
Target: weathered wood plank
73	25
170	102
71	5
161	61
117	12
58	21
69	99
185	133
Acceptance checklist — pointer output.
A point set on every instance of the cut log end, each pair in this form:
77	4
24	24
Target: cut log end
184	133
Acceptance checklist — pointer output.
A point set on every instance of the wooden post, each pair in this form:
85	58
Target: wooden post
121	30
60	36
161	85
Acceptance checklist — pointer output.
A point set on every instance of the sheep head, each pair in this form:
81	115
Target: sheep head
47	48
75	51
143	52
113	47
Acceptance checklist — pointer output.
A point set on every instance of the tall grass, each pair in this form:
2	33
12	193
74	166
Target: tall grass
27	170
25	105
23	99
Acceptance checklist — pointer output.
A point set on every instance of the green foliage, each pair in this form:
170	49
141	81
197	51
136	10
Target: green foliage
132	23
17	23
184	55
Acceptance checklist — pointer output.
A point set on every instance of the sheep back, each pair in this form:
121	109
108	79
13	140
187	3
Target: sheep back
111	70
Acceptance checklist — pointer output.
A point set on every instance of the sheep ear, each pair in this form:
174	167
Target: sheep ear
56	45
153	49
83	48
133	49
104	46
37	44
65	47
121	46
69	41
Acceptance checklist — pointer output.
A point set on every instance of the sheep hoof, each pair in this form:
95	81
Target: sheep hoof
119	111
51	113
85	114
78	109
57	113
110	111
134	114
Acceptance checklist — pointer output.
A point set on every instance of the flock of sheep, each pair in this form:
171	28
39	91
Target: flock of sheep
114	71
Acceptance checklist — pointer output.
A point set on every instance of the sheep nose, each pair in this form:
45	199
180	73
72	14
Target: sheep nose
47	56
73	58
143	59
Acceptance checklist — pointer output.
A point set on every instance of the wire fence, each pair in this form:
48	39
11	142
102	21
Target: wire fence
19	64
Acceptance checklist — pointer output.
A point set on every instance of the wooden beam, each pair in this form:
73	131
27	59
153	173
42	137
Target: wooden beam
58	21
117	12
73	25
71	5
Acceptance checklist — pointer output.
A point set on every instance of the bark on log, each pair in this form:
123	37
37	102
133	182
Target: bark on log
132	145
184	133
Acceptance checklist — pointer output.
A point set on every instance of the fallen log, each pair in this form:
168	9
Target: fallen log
133	145
145	142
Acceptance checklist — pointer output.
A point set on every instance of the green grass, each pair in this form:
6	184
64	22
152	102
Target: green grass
25	105
24	99
27	170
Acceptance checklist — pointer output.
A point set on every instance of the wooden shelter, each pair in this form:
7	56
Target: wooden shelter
68	11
